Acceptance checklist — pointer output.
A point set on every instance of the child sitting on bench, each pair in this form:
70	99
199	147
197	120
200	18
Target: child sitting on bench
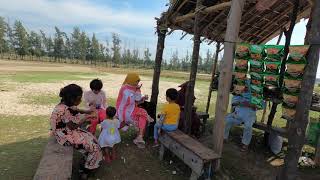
169	117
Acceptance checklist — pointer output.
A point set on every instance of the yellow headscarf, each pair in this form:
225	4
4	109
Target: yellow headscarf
131	79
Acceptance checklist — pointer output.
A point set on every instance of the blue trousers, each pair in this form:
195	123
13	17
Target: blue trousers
165	127
241	115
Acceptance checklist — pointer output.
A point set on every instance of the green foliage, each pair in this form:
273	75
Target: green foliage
21	42
116	48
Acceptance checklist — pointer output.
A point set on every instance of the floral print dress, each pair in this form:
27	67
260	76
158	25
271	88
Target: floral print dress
80	139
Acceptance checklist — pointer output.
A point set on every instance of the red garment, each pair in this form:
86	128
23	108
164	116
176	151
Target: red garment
95	121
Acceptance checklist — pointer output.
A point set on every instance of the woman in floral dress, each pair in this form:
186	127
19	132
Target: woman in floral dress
65	121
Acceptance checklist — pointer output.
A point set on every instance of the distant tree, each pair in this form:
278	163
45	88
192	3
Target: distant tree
10	39
83	46
116	48
147	57
3	32
21	40
58	52
174	61
35	44
95	48
67	47
75	43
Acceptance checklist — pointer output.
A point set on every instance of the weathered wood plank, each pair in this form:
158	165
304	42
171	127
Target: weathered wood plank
56	162
280	131
225	79
193	145
185	154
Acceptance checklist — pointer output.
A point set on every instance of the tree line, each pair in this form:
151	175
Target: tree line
79	47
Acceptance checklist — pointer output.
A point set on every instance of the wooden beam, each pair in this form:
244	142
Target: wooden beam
225	78
298	127
157	69
213	73
208	10
213	21
193	74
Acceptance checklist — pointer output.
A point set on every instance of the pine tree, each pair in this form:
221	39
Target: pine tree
75	42
147	57
95	48
35	44
58	44
21	43
3	31
83	45
116	48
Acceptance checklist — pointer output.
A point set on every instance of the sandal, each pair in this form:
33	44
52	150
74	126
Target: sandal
244	148
140	143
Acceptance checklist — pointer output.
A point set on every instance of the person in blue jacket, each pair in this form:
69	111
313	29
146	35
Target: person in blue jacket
244	112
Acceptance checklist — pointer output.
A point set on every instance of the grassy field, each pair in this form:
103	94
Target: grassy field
29	91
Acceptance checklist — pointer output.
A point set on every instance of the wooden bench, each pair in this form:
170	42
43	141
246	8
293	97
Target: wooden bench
56	162
204	117
197	156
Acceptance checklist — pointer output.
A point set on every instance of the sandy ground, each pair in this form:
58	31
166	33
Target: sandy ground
11	99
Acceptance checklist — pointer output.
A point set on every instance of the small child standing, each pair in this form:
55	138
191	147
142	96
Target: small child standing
96	97
110	135
169	117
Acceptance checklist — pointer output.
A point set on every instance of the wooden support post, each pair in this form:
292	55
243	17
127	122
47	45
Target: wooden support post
297	128
161	31
225	79
194	67
288	34
214	67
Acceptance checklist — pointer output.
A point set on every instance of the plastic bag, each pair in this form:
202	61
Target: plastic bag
275	143
295	70
256	66
290	100
256	78
274	52
288	112
256	52
272	67
292	85
257	101
239	89
256	90
240	76
298	52
242	50
271	79
313	132
241	64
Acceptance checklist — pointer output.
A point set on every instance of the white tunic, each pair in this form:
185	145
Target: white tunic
110	134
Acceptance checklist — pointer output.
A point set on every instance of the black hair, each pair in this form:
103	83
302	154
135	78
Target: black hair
172	94
70	93
96	84
111	112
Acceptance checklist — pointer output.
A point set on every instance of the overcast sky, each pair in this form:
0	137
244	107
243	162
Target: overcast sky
132	19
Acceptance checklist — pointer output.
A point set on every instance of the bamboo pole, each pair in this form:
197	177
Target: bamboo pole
214	67
193	74
225	79
297	128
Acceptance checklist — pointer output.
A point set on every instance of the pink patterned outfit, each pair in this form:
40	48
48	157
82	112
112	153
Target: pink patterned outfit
99	101
127	110
80	139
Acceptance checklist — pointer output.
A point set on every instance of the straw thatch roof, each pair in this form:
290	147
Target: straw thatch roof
257	26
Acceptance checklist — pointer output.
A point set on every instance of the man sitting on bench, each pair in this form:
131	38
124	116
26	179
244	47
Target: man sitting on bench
243	112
